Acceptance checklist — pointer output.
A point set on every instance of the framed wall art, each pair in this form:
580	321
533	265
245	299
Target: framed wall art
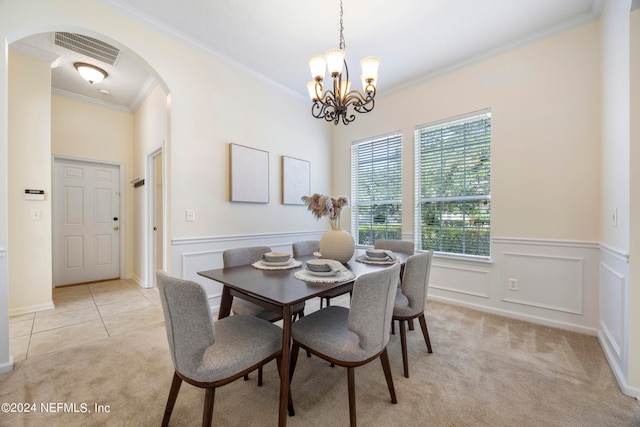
249	168
296	180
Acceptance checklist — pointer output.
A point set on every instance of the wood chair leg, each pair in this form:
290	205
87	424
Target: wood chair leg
410	322
171	401
295	349
425	332
351	380
393	327
260	376
403	345
386	367
207	416
246	377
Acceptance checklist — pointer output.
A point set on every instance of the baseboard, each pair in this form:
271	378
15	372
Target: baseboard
7	367
138	281
31	309
520	316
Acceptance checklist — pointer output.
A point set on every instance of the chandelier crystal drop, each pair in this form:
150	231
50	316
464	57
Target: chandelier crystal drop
338	104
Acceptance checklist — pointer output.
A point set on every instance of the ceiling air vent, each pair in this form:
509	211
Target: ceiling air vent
88	46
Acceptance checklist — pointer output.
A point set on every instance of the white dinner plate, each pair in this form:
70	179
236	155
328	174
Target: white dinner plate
321	273
276	264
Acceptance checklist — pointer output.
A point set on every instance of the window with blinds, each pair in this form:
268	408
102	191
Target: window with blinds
453	185
376	189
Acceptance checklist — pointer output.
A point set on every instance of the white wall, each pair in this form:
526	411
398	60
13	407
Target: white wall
615	287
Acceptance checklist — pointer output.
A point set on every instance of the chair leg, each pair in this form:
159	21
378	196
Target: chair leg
403	344
207	416
171	401
425	332
260	376
351	380
393	327
295	349
386	367
246	377
411	327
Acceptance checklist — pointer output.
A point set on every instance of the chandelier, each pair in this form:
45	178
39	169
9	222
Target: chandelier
339	104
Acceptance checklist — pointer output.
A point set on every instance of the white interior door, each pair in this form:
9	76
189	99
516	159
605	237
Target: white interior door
86	222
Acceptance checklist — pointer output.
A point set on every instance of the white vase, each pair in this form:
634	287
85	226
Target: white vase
337	244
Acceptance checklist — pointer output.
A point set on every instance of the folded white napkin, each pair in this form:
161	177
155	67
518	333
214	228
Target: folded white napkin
336	266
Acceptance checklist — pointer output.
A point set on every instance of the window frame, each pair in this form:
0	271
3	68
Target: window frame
433	127
393	141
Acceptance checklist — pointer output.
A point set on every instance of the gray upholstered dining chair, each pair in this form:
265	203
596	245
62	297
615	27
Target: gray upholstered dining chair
244	256
410	300
249	255
402	246
306	248
210	354
355	336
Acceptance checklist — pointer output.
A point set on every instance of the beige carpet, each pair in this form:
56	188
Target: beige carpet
485	371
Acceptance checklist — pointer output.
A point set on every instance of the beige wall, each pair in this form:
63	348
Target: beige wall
29	157
544	100
93	132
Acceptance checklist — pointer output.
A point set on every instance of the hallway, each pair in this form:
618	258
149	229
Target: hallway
84	313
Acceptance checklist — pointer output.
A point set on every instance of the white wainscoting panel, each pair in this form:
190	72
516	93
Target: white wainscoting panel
612	316
549	282
557	282
460	279
614	312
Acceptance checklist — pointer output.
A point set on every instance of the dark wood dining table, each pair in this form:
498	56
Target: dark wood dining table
279	291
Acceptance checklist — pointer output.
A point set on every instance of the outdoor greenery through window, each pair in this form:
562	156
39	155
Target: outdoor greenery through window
376	183
453	185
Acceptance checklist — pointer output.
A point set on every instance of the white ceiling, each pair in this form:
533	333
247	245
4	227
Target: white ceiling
273	39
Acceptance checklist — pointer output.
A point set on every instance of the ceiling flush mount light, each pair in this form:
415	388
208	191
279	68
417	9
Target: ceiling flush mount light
338	104
90	73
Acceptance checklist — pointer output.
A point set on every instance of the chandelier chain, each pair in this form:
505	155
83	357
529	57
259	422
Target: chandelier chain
341	44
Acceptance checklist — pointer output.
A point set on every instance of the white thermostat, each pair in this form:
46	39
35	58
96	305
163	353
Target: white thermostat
33	194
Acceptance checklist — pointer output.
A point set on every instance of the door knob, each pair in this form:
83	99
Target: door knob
115	227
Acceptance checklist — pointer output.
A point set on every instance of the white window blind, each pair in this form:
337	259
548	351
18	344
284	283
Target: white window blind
453	185
376	189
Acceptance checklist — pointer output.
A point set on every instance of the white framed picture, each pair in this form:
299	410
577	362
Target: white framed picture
296	180
249	169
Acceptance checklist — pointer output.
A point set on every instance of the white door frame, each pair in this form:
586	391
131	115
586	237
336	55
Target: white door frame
121	216
150	195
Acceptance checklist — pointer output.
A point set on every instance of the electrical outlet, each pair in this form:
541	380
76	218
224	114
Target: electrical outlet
513	284
190	215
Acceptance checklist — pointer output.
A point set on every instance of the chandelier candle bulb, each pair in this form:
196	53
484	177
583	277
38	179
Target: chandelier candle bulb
335	59
311	87
318	65
370	66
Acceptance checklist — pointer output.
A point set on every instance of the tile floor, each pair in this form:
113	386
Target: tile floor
84	313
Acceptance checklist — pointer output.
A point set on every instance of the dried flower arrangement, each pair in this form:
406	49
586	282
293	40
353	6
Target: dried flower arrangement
330	207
